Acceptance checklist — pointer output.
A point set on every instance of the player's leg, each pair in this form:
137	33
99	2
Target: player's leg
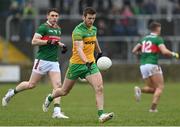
69	81
55	78
35	77
25	85
148	88
97	83
158	82
64	90
146	72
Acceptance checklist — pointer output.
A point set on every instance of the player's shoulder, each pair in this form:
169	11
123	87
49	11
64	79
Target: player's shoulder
43	26
94	28
159	38
78	28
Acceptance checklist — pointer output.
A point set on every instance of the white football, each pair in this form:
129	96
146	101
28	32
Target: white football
104	63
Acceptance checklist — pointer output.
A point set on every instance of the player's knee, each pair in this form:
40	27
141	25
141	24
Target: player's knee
161	87
99	89
57	85
159	90
31	85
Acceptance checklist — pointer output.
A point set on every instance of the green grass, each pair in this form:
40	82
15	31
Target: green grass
25	108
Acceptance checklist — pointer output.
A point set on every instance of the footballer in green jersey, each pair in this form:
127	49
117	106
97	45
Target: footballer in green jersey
149	48
82	64
47	38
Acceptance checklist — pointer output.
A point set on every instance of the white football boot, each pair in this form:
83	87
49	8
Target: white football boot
137	92
46	104
105	117
59	115
7	97
153	110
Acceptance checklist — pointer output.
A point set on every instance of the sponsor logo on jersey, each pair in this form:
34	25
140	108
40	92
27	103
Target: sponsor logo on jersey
90	42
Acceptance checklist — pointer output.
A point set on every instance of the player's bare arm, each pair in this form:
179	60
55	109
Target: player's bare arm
98	50
60	44
37	40
97	47
167	52
79	46
136	49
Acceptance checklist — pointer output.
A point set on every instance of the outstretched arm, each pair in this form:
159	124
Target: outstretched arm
167	52
98	50
136	49
97	47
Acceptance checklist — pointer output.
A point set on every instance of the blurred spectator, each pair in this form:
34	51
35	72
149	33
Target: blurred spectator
102	30
103	6
138	9
128	23
16	12
102	27
85	3
118	28
150	7
65	6
4	12
54	3
28	22
4	4
176	11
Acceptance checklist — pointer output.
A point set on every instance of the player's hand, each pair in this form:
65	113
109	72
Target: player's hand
64	49
88	64
176	55
98	56
52	42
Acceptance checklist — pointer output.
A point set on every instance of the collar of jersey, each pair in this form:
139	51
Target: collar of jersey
86	26
49	23
154	34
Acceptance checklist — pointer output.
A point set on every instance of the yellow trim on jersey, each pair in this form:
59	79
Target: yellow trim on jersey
89	39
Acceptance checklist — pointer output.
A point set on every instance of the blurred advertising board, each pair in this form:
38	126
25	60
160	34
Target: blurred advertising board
9	73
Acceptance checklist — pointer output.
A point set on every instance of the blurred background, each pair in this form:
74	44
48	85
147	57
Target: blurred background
120	23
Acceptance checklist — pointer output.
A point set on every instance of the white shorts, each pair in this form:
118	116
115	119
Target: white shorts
43	66
148	70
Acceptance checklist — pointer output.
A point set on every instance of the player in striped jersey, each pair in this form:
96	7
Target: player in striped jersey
82	64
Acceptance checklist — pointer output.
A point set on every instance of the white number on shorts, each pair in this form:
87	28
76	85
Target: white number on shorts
146	46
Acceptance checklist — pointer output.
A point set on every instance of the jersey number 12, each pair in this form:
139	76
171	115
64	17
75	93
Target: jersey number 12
146	47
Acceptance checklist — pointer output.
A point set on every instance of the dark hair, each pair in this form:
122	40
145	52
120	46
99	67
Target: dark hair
153	25
89	10
52	9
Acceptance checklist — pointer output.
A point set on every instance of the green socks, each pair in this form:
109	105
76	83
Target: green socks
50	98
15	91
100	112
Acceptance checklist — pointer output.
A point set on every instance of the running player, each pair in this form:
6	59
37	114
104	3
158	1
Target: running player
47	37
82	64
149	48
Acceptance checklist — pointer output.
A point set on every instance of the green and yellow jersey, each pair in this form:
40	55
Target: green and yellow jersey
150	49
88	36
48	52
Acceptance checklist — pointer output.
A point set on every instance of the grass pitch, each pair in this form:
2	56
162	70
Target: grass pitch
25	108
